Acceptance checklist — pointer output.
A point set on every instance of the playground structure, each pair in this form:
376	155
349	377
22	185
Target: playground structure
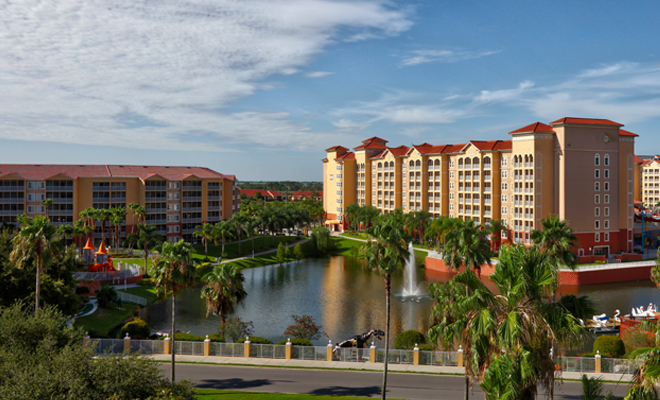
97	261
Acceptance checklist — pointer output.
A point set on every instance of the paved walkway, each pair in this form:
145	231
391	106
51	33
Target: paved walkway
363	366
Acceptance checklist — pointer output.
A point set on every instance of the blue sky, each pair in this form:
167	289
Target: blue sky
259	88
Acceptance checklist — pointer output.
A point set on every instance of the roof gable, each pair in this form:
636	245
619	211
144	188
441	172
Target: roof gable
585	121
536	127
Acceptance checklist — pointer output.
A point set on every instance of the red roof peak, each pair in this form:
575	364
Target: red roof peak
336	148
534	128
374	139
623	132
585	121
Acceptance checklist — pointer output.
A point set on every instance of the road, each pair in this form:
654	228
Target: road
345	383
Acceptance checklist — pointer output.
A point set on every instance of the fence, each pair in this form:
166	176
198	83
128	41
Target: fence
321	353
129	298
128	271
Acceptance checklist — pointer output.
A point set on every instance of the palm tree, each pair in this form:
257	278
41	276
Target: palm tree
496	227
36	242
417	221
133	207
351	214
513	327
224	230
47	203
223	290
556	239
467	245
89	216
147	238
173	270
207	233
386	252
82	231
239	220
439	227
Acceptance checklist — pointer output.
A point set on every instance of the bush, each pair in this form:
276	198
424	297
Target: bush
304	328
426	347
82	290
146	282
136	329
214	337
610	346
637	337
256	340
297	342
407	339
119	255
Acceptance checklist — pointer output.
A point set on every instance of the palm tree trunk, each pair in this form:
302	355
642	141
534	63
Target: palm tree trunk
206	249
38	290
383	394
467	386
173	350
239	242
145	260
223	247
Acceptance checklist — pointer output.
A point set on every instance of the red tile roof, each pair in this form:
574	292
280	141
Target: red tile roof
638	160
325	159
346	156
306	193
370	145
535	127
264	192
453	148
623	132
398	151
42	172
585	121
336	148
426	148
374	139
491	145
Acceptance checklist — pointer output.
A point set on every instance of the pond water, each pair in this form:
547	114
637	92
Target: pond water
347	299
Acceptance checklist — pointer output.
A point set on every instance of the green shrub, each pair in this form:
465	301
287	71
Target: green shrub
609	346
146	282
138	329
297	342
85	299
82	290
426	347
214	337
256	340
119	255
407	339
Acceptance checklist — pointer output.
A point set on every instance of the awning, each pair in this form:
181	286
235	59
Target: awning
332	222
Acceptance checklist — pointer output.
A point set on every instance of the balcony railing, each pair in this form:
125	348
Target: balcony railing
192	198
191	209
155	199
187	231
101	199
60	212
51	188
12	188
214	218
213	197
156	210
191	220
12	212
12	200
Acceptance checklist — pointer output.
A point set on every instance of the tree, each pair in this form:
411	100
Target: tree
102	215
556	239
439	227
133	207
351	214
146	238
496	227
655	271
89	216
224	230
36	242
385	252
223	290
304	327
467	245
106	295
322	239
47	203
174	270
417	221
239	221
207	234
508	334
297	252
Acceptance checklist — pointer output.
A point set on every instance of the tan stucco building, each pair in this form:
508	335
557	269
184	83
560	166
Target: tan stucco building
580	169
176	198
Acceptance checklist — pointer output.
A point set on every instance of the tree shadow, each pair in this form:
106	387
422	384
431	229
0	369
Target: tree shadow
347	391
234	383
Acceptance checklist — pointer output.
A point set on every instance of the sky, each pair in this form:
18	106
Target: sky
259	88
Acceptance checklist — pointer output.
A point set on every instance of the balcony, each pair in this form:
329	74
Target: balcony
486	213
12	200
101	200
487	166
60	212
192	198
156	210
98	188
51	188
214	219
155	199
12	188
191	220
191	209
12	212
58	224
213	197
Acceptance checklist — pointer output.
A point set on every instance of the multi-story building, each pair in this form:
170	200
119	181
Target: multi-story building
649	181
580	169
176	198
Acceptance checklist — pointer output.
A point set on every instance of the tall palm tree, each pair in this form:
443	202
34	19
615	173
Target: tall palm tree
223	290
102	215
207	234
47	203
467	245
37	243
89	216
224	230
239	220
117	218
439	227
173	270
556	239
147	238
82	231
351	214
133	207
417	221
496	227
386	252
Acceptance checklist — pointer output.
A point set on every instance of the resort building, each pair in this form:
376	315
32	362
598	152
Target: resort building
580	169
649	184
267	195
176	198
300	195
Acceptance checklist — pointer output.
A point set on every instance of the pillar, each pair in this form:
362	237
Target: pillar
86	341
289	347
416	355
372	352
597	359
246	347
207	346
167	343
329	351
127	343
460	356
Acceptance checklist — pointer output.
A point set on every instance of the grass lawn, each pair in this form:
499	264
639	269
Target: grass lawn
260	244
349	247
146	291
270	258
212	394
104	320
138	261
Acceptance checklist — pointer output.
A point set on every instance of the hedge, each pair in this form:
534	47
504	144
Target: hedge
407	339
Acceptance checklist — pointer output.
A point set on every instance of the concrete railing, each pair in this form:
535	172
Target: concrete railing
617	265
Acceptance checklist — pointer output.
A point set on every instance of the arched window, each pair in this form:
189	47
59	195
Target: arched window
418	163
486	162
429	164
412	164
468	163
380	165
460	163
475	162
606	160
597	160
437	163
531	161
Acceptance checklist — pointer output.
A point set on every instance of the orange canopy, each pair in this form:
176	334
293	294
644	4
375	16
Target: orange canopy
89	246
102	249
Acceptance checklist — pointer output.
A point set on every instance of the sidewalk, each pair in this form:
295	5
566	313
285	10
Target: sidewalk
362	366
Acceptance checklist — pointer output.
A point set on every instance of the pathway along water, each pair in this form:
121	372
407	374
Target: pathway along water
348	299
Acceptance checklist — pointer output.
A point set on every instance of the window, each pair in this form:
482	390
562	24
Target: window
451	185
30	185
30	197
169	229
607	236
451	207
597	211
504	162
451	196
505	186
606	224
451	174
41	209
505	210
597	237
596	186
607	199
30	209
597	173
505	198
41	196
597	160
597	224
607	211
176	228
606	160
606	173
505	174
607	186
597	199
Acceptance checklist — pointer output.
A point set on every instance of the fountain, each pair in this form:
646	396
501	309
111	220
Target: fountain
410	286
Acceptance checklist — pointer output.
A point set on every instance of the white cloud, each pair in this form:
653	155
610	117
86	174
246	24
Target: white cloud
487	96
155	74
319	74
443	56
